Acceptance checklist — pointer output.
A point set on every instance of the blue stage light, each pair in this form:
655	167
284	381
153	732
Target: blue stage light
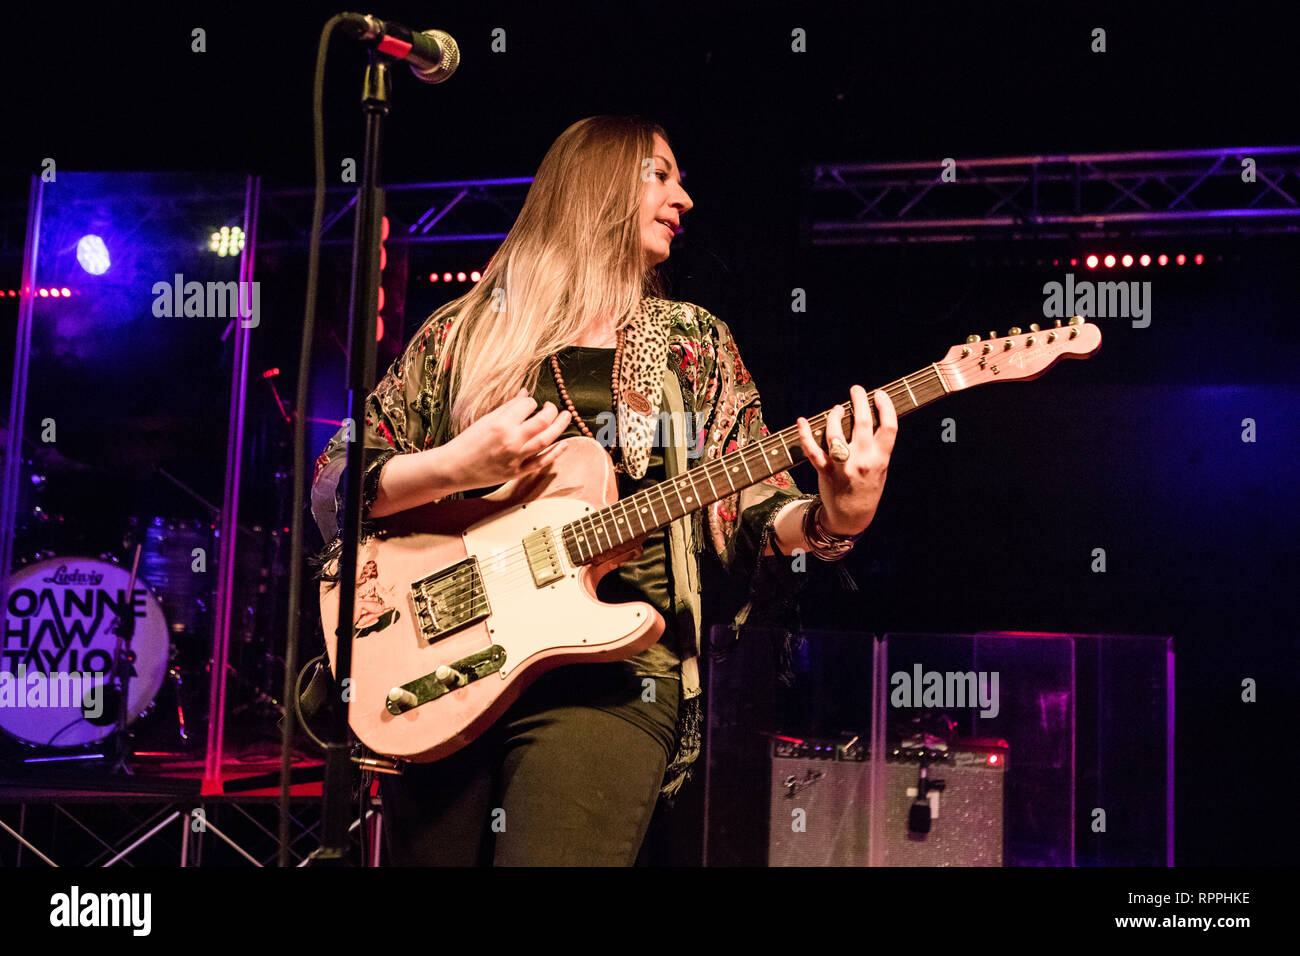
92	254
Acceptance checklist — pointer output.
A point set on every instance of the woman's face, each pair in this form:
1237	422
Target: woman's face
663	203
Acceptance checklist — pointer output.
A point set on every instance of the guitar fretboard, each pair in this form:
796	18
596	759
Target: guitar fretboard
648	510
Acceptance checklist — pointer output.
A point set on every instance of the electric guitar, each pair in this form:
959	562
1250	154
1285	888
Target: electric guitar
461	604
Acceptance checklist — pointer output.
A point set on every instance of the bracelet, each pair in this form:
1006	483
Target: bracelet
822	543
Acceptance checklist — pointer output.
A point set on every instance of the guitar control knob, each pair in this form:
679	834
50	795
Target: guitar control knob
448	676
400	699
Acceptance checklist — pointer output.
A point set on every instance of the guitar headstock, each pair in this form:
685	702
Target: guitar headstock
1018	355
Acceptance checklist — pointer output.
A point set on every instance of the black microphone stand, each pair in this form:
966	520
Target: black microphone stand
123	665
337	789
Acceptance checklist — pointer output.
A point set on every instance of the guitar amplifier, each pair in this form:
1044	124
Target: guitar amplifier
822	806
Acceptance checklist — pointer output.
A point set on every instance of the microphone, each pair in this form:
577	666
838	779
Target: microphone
432	55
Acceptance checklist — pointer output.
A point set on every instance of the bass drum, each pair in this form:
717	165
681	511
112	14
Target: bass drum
56	655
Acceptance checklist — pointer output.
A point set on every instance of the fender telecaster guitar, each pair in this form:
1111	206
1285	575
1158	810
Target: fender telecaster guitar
462	604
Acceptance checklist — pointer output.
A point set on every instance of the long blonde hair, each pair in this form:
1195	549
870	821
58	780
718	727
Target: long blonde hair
574	255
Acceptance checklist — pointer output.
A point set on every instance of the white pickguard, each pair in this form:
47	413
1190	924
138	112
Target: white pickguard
526	619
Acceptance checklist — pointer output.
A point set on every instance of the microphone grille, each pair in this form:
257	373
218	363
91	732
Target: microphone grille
450	58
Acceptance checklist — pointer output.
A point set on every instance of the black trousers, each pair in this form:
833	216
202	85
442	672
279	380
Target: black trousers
569	776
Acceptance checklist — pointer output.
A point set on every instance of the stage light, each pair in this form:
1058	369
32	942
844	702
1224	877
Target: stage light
1180	259
461	277
1074	262
66	292
1109	261
1127	260
433	277
994	760
1163	259
475	276
43	293
1092	262
446	277
227	241
1199	259
92	255
1144	259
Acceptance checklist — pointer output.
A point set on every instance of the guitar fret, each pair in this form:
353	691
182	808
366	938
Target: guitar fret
778	451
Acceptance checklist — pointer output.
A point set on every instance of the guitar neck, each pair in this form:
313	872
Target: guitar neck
657	506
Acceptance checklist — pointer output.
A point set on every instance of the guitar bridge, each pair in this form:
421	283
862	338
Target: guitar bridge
449	599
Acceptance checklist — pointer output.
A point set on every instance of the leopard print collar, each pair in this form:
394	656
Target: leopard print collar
641	382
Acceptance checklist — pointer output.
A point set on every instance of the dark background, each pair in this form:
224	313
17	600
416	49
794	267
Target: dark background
1137	451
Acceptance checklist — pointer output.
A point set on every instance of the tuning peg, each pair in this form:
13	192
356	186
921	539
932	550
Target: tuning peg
1051	337
1014	330
1076	320
972	339
1033	327
993	333
1058	323
1029	340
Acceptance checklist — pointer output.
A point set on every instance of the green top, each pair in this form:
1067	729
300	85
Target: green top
586	373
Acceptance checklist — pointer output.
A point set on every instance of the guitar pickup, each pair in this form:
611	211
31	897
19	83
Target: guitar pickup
543	559
445	679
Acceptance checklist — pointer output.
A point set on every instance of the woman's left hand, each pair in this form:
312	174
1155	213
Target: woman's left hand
850	489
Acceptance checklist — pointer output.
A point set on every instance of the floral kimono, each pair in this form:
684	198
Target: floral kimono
710	390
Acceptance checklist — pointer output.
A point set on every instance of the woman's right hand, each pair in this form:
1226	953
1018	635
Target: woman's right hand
512	440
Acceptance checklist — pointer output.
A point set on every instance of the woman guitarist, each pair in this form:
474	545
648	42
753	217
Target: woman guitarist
566	334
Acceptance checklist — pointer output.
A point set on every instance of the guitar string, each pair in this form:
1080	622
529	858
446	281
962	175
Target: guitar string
504	581
510	567
509	578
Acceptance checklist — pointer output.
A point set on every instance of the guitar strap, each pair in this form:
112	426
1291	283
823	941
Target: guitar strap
681	544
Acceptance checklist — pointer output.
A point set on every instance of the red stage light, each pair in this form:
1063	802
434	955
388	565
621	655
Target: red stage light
994	760
383	228
446	277
1144	259
1074	262
1163	259
44	293
1127	260
433	277
461	277
380	307
1180	259
475	276
1198	259
1110	261
1092	262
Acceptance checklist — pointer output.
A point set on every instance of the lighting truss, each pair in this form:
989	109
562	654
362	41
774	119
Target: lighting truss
1084	196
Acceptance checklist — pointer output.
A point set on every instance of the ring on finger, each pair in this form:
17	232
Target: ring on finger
839	449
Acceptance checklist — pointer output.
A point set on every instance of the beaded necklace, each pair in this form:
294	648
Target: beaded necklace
613	390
